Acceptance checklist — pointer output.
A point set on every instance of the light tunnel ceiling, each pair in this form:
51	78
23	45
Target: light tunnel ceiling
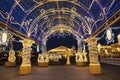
35	18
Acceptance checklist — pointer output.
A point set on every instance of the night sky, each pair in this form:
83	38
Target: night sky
68	41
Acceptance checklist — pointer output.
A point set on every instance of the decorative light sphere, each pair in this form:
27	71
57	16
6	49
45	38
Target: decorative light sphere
4	37
109	34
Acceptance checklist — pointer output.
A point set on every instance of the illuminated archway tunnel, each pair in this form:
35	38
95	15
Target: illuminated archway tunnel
40	21
34	18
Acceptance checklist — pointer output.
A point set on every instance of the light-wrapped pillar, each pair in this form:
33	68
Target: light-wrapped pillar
94	66
25	67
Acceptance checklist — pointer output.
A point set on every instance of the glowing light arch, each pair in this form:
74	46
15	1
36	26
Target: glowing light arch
61	28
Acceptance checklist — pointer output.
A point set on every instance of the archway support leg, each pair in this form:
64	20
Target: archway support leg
94	66
25	67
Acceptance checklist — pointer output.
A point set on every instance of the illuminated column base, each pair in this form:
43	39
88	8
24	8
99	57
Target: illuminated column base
10	64
43	60
81	64
25	69
68	61
11	59
95	68
80	61
43	64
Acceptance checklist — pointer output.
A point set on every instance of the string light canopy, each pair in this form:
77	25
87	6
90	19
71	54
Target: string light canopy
35	18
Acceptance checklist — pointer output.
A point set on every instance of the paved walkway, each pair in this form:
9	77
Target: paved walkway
60	73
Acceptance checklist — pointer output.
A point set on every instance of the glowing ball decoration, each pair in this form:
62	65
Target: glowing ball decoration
4	37
109	34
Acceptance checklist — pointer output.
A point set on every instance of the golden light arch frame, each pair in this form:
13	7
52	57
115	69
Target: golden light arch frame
61	28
